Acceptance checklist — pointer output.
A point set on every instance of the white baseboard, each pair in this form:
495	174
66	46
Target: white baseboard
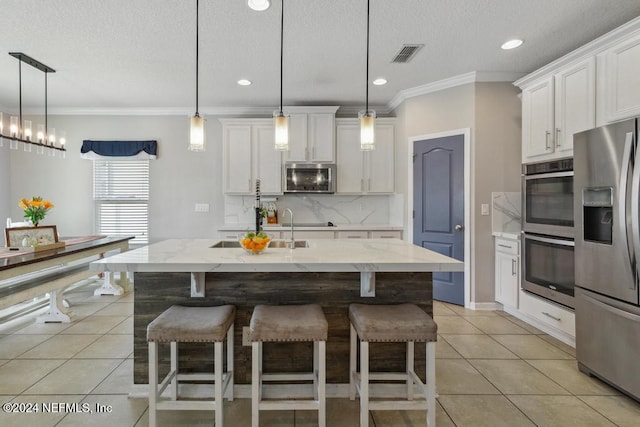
485	306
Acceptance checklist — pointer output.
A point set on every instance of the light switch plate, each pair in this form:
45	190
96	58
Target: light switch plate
202	207
484	209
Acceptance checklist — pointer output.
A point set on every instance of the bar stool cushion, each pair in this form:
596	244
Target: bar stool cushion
192	324
288	323
392	323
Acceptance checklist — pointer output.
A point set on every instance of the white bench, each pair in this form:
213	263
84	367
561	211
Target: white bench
54	273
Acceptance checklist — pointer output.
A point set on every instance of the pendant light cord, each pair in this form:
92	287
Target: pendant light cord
197	49
45	137
281	49
19	131
367	81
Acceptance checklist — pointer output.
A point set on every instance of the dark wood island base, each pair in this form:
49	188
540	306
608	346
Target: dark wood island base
155	292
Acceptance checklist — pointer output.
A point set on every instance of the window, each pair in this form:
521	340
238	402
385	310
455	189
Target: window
121	194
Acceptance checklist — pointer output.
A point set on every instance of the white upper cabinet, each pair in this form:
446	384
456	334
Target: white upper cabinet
596	84
381	174
268	167
361	172
236	149
619	81
554	108
248	155
575	104
537	119
312	135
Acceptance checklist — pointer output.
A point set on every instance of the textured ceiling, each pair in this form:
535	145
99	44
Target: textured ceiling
140	54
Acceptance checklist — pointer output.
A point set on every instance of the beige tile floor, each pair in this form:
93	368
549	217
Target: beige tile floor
492	370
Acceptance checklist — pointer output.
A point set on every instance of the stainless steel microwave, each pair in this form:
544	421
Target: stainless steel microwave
309	178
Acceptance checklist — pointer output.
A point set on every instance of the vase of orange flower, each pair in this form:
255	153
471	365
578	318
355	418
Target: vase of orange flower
35	209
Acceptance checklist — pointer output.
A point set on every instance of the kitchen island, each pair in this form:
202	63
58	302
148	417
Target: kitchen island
332	273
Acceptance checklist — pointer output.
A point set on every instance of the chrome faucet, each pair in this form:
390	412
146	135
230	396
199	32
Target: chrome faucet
292	242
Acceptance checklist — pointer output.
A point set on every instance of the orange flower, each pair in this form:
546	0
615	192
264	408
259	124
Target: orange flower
35	209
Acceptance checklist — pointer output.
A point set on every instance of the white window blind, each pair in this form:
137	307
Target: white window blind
121	194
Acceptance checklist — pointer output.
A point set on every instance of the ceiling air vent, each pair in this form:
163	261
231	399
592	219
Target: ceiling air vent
406	53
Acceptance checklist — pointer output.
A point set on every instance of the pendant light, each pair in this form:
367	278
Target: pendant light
280	120
196	137
367	117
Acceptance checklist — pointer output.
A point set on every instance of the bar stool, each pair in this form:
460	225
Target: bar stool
392	323
281	324
191	324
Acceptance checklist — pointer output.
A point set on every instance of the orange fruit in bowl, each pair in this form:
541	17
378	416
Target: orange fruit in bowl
254	243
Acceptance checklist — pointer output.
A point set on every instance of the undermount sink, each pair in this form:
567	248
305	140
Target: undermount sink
273	244
287	244
227	244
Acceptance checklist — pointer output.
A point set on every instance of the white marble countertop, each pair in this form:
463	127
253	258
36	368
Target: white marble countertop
507	235
336	227
322	255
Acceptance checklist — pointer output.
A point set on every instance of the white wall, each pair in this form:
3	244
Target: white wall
492	112
179	178
497	146
5	179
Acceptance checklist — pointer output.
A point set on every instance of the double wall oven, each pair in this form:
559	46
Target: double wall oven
548	230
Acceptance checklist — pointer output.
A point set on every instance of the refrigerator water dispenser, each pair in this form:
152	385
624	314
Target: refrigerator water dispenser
597	204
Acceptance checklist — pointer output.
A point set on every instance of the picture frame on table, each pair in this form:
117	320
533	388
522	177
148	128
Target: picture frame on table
42	235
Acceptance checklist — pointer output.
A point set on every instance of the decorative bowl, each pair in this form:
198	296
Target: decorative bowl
254	243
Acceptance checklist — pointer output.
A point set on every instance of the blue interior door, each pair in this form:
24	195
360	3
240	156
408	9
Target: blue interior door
438	200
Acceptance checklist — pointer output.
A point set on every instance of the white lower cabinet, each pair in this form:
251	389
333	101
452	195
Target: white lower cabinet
308	234
390	234
507	271
549	314
355	234
301	234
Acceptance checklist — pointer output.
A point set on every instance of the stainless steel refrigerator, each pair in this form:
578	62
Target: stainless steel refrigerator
607	254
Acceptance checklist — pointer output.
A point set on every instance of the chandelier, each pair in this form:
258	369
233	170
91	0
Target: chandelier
21	130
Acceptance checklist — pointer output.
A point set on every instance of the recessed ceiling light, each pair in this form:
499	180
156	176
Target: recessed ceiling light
258	5
511	44
244	82
380	81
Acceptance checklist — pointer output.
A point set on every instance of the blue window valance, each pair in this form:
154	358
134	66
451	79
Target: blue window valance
109	149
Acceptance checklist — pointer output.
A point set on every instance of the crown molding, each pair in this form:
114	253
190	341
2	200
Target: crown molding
459	80
436	86
181	111
590	49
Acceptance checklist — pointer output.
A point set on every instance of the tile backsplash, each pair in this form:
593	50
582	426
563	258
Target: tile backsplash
307	208
506	215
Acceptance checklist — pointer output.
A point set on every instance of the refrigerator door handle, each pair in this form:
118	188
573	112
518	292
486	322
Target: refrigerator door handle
622	200
635	209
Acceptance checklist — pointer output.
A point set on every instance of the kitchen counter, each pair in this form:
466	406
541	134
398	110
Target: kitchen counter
332	273
336	227
334	255
507	235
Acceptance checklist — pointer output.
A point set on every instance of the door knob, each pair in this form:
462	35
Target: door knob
458	227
